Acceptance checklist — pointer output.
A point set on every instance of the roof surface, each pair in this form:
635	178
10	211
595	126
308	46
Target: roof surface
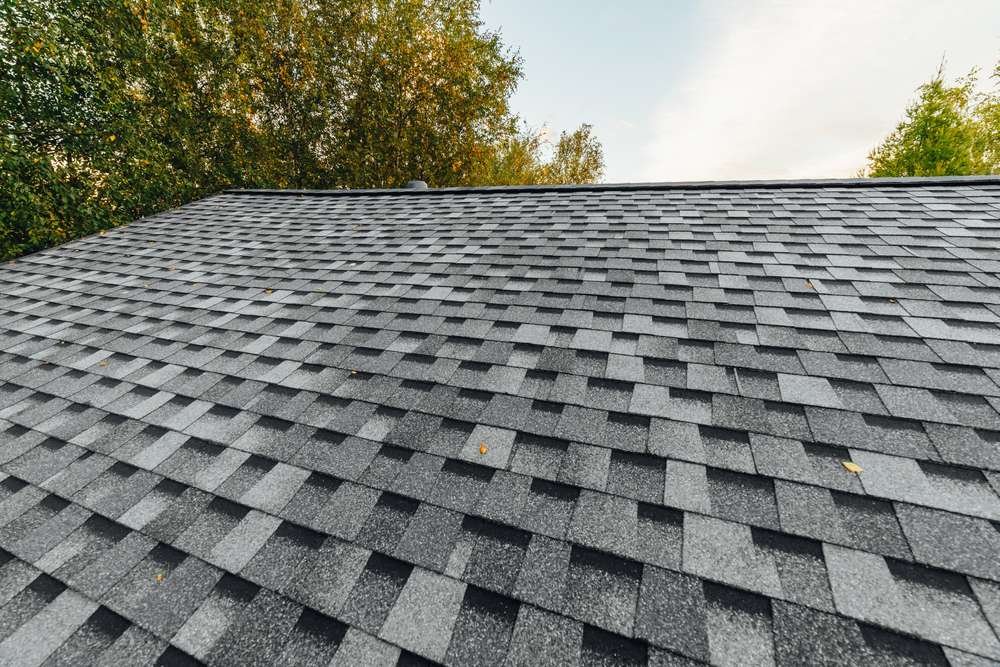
552	426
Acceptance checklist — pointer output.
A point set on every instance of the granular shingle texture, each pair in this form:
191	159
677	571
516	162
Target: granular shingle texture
510	426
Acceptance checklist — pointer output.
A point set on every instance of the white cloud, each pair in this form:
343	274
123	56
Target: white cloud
805	89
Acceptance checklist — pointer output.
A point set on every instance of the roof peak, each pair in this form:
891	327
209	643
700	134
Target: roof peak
925	181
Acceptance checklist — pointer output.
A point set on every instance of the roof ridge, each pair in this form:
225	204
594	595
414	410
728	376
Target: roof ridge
921	181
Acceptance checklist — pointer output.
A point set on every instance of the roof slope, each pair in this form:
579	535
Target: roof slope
561	426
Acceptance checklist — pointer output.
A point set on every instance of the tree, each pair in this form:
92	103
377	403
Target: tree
528	158
579	158
115	109
948	130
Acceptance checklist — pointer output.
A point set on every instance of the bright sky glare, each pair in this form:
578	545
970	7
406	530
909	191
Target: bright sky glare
731	89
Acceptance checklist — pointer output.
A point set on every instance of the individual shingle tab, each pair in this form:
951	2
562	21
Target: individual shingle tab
739	626
489	446
375	592
672	612
808	390
541	637
602	590
636	476
360	648
258	632
496	557
483	628
423	618
743	498
600	648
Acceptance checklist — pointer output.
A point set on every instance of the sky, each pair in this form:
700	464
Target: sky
752	89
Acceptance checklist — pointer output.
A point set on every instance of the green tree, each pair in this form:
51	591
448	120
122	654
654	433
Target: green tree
115	109
527	158
578	158
949	130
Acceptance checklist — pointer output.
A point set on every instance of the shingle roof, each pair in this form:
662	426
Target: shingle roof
536	426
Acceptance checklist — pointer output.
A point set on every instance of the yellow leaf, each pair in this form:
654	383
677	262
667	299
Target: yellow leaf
159	577
268	291
483	448
103	363
851	466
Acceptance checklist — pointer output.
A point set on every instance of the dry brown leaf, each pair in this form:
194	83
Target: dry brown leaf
483	448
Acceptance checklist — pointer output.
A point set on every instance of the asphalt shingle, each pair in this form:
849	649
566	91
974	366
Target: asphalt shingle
390	427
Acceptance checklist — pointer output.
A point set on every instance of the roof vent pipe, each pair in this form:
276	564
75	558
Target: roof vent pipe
415	185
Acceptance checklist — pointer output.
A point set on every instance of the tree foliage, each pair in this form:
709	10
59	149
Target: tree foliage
115	109
949	130
577	157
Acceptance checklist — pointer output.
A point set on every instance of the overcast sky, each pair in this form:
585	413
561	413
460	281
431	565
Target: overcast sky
724	90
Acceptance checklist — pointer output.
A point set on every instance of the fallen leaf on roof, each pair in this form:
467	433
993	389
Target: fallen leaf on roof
483	448
268	291
103	362
159	577
851	466
809	284
103	233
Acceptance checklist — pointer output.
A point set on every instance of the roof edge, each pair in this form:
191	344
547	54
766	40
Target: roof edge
922	181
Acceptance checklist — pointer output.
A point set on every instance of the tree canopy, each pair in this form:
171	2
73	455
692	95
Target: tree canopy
949	130
115	109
